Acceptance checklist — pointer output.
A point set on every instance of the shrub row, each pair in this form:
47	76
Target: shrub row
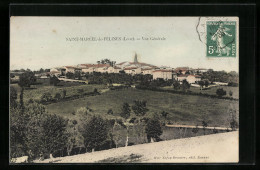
184	93
76	96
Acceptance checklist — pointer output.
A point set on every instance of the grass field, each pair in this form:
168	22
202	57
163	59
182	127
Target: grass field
36	93
212	90
182	109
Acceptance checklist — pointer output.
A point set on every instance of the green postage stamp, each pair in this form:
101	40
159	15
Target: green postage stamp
221	38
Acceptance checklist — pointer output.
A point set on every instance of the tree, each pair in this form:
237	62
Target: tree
201	83
220	92
13	97
70	75
125	113
233	119
117	134
139	108
95	133
25	80
41	70
153	129
46	133
57	96
54	80
230	93
185	85
95	90
54	132
195	130
78	75
206	83
64	93
204	124
176	85
75	138
34	131
107	61
164	115
18	124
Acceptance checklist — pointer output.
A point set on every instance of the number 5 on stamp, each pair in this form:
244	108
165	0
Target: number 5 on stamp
221	38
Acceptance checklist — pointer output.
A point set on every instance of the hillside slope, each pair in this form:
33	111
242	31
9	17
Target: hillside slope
210	148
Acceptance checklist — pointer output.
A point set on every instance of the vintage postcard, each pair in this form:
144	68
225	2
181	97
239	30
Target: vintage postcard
124	90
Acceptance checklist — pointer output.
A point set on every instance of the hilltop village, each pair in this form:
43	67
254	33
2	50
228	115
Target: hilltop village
131	68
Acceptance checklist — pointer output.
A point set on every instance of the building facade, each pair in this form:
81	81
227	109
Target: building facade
163	74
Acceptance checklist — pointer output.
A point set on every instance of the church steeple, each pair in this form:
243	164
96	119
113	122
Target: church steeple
135	59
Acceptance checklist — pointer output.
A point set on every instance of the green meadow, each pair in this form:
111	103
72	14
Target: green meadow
182	109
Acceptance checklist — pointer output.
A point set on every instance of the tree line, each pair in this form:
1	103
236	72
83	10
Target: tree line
35	132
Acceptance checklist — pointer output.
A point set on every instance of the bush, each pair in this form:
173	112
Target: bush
64	93
54	80
47	134
220	92
57	96
18	123
139	108
35	132
70	75
46	97
195	130
132	120
233	84
230	93
95	133
125	112
110	112
13	97
30	100
153	129
80	91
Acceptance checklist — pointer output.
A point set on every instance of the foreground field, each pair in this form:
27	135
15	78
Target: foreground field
182	109
204	149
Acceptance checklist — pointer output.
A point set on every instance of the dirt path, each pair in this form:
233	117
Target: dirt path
221	147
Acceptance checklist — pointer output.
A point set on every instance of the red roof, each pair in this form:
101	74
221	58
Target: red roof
102	65
130	68
146	68
117	67
95	65
87	65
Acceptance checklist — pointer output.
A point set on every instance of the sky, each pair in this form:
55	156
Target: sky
47	42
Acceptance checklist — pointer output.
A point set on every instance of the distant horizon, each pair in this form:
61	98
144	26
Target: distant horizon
121	62
47	42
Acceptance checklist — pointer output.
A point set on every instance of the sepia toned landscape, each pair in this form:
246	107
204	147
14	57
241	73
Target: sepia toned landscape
123	111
